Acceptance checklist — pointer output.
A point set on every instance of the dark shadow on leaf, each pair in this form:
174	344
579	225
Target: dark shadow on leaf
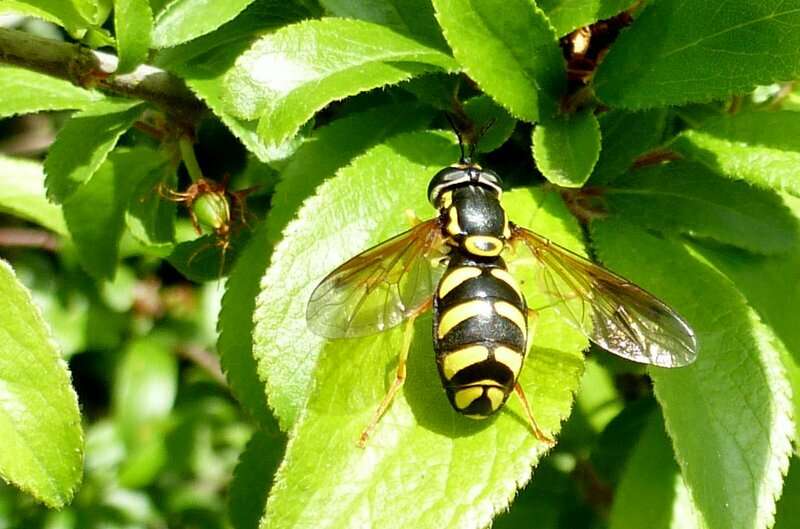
425	394
688	198
205	258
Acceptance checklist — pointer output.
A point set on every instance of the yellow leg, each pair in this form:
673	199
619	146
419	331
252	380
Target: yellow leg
533	320
399	379
412	218
537	432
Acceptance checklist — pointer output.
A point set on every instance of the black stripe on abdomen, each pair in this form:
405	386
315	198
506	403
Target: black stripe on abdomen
480	333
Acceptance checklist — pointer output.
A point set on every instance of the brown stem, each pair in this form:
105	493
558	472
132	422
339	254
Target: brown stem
655	157
28	238
205	360
85	67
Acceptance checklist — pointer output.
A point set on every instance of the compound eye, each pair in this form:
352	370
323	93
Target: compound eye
443	180
491	177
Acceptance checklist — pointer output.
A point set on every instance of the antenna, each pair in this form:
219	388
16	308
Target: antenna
473	145
464	159
484	129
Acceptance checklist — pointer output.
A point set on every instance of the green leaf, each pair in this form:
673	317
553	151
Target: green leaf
772	287
792	366
685	197
208	257
133	24
568	15
235	343
94	11
61	12
677	52
760	147
25	92
566	147
332	147
410	17
184	20
259	17
22	194
64	305
729	413
542	500
509	49
204	62
789	504
626	135
281	312
434	89
652	492
41	440
151	217
119	295
484	112
616	443
598	401
83	144
145	386
253	478
95	213
488	459
287	76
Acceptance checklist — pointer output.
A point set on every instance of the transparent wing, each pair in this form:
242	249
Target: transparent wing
380	287
612	312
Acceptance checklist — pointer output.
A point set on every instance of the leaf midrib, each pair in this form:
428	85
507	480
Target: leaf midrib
511	53
751	219
729	29
386	59
49	477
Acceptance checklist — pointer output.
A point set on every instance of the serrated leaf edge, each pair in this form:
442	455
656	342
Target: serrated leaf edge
557	179
73	396
780	439
426	51
782	435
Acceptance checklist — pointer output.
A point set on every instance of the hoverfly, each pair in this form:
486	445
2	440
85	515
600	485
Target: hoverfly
453	264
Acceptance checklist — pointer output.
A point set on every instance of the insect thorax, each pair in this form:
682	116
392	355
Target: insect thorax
474	220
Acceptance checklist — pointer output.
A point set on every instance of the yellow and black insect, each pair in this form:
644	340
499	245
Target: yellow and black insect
453	264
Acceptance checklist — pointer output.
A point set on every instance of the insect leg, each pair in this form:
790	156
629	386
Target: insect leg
171	194
412	218
533	317
400	378
537	432
533	320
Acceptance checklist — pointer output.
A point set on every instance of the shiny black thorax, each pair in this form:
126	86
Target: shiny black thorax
479	211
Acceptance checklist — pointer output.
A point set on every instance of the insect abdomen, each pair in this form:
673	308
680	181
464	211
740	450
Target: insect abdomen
480	332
